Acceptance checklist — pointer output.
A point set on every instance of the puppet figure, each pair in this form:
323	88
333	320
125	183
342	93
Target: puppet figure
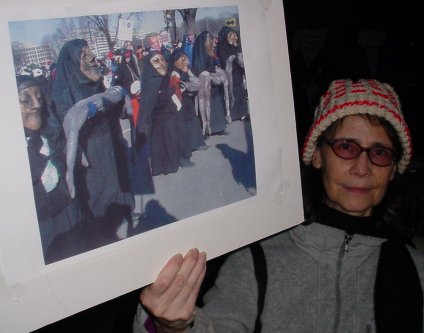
105	183
56	211
211	77
75	119
231	60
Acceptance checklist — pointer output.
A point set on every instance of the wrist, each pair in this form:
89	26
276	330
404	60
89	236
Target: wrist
176	326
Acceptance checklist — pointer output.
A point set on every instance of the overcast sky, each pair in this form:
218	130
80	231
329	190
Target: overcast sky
34	30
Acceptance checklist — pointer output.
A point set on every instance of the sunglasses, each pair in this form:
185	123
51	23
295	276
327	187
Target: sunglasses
348	149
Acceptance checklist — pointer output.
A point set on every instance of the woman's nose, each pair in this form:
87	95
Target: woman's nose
362	164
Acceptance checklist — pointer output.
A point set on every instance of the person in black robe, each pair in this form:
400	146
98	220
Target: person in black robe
158	120
230	57
105	182
204	61
127	76
57	212
179	70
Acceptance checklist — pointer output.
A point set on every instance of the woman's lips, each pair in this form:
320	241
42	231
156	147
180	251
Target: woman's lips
358	190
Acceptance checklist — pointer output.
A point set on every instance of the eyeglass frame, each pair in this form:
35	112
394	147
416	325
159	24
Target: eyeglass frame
368	150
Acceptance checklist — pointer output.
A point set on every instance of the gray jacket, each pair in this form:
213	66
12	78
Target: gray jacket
318	281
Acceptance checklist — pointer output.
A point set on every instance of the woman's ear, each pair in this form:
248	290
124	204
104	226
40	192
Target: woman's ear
317	159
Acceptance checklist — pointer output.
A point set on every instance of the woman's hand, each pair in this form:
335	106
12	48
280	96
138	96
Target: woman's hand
171	299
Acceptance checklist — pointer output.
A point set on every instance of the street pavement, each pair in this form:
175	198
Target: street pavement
220	175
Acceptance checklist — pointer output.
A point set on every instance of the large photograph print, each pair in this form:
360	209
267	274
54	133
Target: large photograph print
132	131
132	121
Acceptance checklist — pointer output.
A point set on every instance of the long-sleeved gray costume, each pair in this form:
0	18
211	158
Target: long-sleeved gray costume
302	294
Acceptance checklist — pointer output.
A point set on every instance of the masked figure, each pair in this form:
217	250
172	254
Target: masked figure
231	60
158	120
213	96
189	86
101	178
56	211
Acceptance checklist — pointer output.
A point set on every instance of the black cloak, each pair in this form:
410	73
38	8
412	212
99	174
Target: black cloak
193	137
71	85
202	61
150	83
100	138
56	211
225	50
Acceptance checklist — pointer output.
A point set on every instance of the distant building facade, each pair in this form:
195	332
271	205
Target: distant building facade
34	54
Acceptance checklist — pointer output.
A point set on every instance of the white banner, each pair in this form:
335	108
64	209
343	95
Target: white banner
125	29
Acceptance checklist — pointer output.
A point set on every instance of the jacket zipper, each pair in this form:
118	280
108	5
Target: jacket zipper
343	251
346	243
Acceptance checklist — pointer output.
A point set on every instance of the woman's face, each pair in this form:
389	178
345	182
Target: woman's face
31	103
88	64
354	186
182	63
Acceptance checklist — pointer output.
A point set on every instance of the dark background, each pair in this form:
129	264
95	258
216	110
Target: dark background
327	40
356	39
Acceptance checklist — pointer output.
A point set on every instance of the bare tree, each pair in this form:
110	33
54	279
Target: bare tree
188	16
67	27
55	43
210	24
171	24
17	59
103	24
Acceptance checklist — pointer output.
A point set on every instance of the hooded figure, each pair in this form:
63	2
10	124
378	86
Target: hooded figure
211	94
231	60
150	83
71	85
159	107
56	211
100	138
179	70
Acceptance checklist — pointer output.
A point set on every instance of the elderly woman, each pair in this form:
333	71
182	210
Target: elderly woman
347	269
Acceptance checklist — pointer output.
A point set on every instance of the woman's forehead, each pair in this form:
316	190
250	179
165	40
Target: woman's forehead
361	128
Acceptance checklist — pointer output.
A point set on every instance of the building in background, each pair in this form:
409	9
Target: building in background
28	53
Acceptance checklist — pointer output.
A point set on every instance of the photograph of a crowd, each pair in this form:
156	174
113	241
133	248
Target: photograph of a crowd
132	121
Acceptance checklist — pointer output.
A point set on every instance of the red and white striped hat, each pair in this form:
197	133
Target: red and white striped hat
345	97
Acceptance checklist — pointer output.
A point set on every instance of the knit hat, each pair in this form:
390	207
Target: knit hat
344	98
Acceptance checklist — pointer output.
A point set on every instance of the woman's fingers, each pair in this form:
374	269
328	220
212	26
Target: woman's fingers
191	300
164	278
188	280
173	295
150	296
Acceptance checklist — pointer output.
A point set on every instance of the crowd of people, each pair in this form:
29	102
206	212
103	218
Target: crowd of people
82	167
